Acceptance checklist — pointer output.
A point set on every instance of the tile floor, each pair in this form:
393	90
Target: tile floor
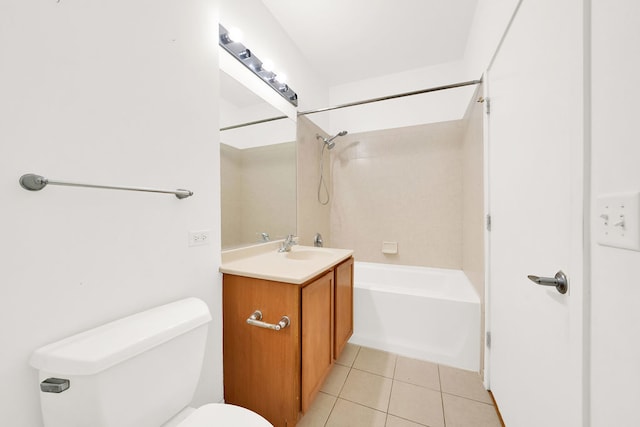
372	388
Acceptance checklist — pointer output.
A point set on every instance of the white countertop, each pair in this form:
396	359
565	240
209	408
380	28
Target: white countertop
265	262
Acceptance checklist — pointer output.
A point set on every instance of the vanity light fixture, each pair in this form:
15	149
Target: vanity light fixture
266	65
261	69
235	35
225	39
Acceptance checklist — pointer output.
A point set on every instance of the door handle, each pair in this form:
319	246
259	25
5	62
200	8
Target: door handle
559	281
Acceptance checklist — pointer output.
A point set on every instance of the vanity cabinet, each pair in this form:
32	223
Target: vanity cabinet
277	373
316	337
343	316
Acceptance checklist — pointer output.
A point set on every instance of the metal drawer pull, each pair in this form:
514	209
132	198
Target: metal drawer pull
256	320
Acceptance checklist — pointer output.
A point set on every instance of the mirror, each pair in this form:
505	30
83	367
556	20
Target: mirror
257	167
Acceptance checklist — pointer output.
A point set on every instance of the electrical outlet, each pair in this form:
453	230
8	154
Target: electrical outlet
197	238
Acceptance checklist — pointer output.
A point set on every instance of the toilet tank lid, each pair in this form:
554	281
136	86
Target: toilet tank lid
97	349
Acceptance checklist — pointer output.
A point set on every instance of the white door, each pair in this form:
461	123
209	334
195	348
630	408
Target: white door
536	206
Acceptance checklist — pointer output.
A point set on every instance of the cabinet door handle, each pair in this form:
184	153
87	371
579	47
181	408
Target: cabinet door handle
256	320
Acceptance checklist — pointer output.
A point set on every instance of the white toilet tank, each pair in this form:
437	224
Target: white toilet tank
138	371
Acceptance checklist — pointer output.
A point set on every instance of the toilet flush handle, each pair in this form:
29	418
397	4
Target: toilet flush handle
54	385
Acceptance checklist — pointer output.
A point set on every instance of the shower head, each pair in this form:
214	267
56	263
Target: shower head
328	142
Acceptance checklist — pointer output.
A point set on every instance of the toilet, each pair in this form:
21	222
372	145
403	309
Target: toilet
138	371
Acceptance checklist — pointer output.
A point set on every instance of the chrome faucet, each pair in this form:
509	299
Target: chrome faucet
288	242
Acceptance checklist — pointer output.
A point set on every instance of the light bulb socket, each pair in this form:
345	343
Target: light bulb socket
262	69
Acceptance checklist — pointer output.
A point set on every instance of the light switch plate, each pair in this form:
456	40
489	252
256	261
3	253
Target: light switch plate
618	220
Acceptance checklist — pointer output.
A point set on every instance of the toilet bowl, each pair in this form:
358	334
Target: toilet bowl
139	371
223	415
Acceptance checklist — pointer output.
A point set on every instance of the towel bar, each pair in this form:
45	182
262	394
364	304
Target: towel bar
33	182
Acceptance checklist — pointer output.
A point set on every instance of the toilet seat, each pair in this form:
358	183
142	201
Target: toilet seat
215	414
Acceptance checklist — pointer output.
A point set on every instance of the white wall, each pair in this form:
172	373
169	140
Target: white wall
490	20
112	92
615	322
487	29
441	106
406	81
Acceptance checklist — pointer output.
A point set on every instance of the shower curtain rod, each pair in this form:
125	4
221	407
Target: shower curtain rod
256	122
388	97
366	101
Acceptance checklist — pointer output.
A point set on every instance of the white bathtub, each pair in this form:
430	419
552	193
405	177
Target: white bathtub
424	313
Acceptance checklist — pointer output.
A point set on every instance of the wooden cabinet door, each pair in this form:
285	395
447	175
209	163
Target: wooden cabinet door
317	336
343	305
262	366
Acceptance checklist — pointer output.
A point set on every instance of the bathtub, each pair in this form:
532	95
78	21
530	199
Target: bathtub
424	313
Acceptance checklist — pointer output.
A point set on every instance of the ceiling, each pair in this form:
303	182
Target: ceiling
351	40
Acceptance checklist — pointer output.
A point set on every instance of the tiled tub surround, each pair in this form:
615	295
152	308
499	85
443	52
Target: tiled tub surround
371	388
401	185
312	217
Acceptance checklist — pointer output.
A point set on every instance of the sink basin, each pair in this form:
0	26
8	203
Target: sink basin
308	255
298	266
